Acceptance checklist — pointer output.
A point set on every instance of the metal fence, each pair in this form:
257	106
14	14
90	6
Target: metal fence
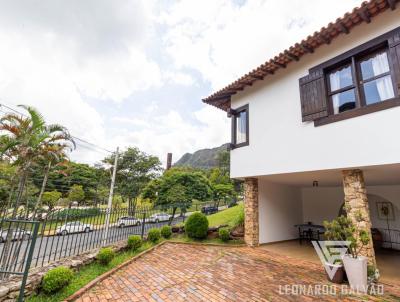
73	231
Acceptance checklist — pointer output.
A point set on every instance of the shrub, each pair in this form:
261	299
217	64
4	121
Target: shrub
56	278
134	242
166	231
223	234
196	226
154	235
105	255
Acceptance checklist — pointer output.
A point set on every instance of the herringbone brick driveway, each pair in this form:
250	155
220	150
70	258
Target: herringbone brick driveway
183	272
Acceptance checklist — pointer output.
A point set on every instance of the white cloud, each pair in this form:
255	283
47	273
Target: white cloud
223	40
74	60
172	133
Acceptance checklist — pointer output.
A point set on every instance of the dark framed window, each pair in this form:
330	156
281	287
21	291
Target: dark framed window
240	126
360	81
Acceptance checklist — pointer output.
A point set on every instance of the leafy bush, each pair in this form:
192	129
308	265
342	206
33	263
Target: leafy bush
196	226
223	234
166	231
105	255
56	278
154	235
134	242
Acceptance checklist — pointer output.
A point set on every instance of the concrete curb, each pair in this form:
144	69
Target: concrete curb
100	278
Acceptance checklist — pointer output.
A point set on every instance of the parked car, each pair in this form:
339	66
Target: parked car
17	234
158	217
209	210
74	227
127	221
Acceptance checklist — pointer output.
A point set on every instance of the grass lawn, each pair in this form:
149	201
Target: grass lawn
227	216
87	274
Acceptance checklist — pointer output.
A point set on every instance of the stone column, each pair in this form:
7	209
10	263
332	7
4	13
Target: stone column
356	204
251	224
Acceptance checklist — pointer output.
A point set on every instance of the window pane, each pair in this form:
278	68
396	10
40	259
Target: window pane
378	90
374	66
344	101
340	78
241	127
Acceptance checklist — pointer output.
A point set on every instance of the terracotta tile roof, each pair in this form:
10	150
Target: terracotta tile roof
325	35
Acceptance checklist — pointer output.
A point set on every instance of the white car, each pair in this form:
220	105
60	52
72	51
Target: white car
74	227
155	218
17	234
127	221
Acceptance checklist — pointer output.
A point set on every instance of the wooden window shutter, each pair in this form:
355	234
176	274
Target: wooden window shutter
394	53
314	103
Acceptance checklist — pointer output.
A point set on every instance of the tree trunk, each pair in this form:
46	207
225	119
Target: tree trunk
173	215
44	183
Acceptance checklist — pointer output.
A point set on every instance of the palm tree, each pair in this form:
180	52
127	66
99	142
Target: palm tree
25	140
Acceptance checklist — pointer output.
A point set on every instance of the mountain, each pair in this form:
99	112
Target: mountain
204	158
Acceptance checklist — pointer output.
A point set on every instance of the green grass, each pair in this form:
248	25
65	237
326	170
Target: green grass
87	274
227	216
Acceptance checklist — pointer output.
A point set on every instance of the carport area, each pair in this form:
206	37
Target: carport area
287	200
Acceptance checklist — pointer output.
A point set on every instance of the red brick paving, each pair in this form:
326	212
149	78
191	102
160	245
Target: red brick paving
182	272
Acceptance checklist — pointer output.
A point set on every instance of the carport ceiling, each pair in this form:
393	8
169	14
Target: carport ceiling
374	175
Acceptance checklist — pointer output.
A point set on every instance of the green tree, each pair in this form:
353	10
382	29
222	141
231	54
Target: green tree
50	199
76	193
135	170
222	192
177	188
24	141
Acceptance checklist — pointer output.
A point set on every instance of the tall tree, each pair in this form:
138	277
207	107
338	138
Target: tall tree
177	188
134	170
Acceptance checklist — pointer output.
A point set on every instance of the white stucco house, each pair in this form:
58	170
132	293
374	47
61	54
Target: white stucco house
319	125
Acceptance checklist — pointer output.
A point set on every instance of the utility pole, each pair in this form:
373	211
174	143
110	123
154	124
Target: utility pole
110	198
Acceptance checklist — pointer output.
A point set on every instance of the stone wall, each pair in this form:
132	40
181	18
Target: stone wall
356	202
251	223
9	290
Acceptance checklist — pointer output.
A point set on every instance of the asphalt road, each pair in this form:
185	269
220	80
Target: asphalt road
50	248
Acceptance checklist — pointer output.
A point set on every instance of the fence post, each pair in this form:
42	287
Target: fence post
143	222
28	261
110	198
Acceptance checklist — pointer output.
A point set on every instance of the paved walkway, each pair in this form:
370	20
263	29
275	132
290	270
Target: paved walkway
177	272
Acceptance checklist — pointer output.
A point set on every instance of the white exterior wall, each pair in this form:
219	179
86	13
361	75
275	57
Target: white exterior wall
321	204
280	208
281	143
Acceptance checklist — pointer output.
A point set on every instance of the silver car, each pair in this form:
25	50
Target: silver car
127	221
17	234
158	217
74	227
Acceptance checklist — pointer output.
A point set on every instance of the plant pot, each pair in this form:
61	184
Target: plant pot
356	270
339	274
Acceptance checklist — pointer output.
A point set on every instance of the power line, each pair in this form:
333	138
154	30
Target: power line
73	136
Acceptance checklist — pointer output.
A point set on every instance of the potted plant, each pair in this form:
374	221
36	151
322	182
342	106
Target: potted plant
357	266
335	231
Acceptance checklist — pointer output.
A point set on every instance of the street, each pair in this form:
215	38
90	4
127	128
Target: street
51	248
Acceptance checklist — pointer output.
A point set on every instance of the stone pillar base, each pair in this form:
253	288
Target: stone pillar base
356	205
251	223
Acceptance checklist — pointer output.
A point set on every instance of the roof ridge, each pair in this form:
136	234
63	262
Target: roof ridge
360	14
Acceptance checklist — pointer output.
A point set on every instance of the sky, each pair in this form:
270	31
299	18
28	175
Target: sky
133	73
